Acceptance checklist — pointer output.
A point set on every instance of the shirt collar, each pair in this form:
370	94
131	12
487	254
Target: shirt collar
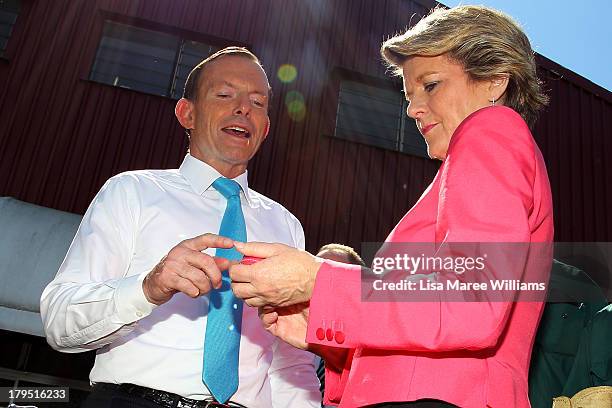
201	175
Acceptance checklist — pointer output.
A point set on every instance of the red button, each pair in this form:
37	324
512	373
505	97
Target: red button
329	334
320	333
339	337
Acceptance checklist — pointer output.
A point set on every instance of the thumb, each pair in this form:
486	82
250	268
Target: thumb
260	249
268	319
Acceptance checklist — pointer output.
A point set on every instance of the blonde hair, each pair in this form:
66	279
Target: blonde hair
487	43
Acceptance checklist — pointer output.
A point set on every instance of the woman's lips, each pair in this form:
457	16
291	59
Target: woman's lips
427	128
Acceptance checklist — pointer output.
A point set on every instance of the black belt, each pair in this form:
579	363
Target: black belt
165	399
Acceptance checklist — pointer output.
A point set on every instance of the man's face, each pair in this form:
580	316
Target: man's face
229	119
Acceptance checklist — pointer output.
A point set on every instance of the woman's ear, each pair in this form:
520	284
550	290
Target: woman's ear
184	113
498	86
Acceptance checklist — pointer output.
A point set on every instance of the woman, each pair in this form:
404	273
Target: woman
470	79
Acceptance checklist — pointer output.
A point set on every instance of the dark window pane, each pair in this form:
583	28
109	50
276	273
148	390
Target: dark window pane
192	53
7	17
369	114
13	5
135	58
412	141
9	10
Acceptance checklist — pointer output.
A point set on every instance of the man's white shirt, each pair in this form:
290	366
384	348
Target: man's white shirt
96	301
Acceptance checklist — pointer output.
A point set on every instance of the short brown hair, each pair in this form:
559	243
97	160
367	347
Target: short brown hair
193	80
486	42
350	253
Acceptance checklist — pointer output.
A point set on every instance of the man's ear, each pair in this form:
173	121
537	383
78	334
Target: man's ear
184	113
267	128
498	86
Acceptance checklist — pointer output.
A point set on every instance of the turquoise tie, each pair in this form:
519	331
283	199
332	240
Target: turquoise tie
224	321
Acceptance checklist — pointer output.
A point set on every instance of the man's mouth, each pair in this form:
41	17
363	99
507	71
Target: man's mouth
237	131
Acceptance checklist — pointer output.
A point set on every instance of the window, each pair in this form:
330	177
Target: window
376	115
9	10
145	60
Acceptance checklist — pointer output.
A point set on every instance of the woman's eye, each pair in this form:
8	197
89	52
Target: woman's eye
430	86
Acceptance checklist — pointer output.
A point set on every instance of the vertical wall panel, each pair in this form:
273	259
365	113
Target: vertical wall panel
62	136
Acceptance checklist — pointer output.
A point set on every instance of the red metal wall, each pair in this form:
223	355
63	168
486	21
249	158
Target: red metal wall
62	135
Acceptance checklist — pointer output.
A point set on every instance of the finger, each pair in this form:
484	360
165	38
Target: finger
206	264
223	263
197	277
242	273
260	249
186	286
268	319
204	241
243	290
255	302
266	309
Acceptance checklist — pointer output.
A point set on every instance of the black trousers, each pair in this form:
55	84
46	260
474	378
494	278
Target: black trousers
108	398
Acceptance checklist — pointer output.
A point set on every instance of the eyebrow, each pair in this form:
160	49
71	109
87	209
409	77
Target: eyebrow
419	79
231	85
424	74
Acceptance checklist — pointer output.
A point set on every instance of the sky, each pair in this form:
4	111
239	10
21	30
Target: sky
574	33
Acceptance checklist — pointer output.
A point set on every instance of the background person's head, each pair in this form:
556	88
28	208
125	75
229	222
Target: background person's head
225	109
340	253
482	48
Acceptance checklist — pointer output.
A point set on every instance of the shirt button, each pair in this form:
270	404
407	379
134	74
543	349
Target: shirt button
564	316
139	313
339	337
329	334
320	333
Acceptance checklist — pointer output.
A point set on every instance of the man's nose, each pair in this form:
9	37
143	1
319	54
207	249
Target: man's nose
243	106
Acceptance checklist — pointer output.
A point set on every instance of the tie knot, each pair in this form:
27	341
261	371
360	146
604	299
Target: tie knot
227	187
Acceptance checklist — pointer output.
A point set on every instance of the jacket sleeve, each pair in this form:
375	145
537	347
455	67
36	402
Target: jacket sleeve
293	377
485	195
92	301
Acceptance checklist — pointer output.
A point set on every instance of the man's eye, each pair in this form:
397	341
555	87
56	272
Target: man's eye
430	86
258	103
223	95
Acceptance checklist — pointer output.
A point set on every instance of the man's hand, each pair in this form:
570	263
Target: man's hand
186	269
286	277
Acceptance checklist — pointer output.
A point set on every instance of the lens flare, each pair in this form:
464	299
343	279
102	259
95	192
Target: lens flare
287	73
296	107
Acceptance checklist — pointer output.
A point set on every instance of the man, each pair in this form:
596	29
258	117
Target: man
137	286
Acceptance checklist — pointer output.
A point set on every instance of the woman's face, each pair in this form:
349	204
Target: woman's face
440	96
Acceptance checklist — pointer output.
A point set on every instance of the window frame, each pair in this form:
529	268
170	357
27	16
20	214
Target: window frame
139	23
340	74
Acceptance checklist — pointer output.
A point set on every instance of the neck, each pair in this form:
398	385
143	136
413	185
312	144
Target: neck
227	170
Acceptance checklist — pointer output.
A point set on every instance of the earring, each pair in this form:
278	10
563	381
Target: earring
492	102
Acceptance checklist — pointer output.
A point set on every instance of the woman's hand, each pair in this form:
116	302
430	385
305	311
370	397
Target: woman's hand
285	277
288	323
